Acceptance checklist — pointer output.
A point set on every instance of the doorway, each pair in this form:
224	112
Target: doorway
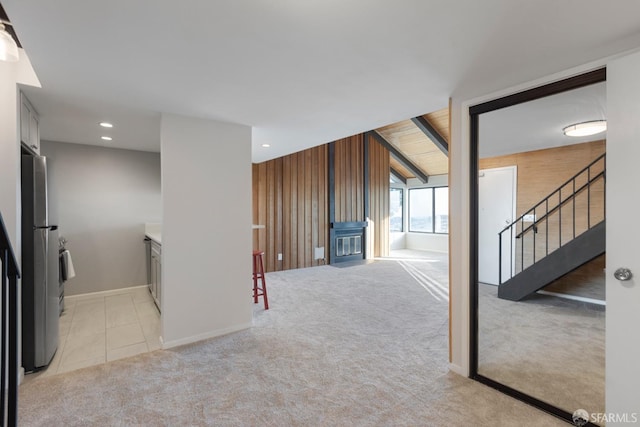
496	210
519	341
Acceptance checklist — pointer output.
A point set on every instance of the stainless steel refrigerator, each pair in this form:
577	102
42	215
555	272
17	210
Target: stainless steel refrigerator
40	268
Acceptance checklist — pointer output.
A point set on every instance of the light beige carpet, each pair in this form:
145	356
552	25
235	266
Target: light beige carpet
548	347
358	346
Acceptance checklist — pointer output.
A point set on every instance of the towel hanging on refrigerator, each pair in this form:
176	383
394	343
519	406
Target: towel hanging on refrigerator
66	269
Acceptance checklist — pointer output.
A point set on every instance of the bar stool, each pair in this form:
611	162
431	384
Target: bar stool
258	274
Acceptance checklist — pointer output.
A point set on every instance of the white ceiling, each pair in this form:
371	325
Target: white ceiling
538	124
301	73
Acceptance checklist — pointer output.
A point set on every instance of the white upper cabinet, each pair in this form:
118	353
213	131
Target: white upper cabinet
29	124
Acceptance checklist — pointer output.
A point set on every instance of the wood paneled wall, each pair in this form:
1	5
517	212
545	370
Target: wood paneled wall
542	171
349	177
379	197
290	198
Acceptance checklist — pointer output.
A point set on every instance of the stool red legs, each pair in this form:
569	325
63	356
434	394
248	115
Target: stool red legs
258	274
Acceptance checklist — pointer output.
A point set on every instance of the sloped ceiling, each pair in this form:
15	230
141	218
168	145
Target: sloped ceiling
301	73
416	146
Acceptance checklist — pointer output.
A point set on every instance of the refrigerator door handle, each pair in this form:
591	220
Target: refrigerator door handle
41	243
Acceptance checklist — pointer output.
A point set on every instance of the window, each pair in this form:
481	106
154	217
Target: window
396	210
421	210
429	210
441	209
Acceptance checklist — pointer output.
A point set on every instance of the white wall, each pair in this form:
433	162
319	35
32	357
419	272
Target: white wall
623	316
100	198
10	164
206	231
428	242
12	74
434	181
397	240
9	152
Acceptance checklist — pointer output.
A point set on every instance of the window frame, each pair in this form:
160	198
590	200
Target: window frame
433	210
402	202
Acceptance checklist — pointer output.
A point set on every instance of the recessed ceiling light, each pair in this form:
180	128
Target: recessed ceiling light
107	138
106	125
586	128
266	145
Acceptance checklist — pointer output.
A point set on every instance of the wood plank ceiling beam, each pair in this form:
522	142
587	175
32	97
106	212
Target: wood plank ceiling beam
431	133
397	175
423	177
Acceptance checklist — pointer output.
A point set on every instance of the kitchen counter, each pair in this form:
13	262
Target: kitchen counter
154	232
153	249
156	237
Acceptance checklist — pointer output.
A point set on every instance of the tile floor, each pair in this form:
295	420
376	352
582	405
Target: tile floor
98	329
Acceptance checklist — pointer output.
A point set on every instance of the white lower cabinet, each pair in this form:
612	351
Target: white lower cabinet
155	272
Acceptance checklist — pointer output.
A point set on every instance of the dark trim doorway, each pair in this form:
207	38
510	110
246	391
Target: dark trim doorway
576	82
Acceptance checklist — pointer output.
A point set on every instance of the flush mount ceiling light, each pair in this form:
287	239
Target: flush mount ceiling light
586	128
106	124
8	46
266	145
107	138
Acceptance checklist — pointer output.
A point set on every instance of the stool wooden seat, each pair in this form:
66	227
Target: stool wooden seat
258	274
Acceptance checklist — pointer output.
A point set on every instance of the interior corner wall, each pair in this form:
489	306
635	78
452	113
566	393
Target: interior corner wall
459	216
206	229
9	153
12	74
397	240
100	198
428	242
10	167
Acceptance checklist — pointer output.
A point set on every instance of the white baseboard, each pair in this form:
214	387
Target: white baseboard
110	292
203	336
458	370
574	297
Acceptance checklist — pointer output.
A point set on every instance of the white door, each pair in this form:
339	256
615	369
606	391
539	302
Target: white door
496	210
623	239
